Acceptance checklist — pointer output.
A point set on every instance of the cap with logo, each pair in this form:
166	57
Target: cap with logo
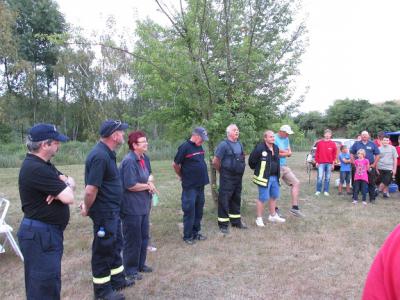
110	126
202	132
41	132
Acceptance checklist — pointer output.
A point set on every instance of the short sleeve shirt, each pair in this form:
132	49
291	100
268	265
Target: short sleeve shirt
370	149
387	157
283	144
344	167
224	152
193	167
101	171
37	180
132	172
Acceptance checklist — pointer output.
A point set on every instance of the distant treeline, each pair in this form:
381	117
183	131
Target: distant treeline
349	117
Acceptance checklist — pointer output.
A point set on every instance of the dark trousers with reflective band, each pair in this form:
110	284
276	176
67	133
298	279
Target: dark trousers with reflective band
229	199
42	247
107	268
192	207
136	238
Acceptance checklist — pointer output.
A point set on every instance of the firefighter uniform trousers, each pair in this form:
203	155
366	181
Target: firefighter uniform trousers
229	198
107	268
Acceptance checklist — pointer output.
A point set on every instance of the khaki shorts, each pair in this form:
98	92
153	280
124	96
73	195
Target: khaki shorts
288	176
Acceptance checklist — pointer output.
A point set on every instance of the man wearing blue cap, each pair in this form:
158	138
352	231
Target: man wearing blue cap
102	200
191	168
45	195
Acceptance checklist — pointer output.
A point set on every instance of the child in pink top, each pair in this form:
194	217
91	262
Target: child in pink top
360	177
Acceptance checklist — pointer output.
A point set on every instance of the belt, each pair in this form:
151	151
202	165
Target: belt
39	224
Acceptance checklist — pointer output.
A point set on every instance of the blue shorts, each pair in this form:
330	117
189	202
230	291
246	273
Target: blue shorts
270	191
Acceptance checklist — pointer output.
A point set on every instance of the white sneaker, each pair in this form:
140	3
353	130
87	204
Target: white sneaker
354	202
317	193
276	219
364	202
259	222
326	194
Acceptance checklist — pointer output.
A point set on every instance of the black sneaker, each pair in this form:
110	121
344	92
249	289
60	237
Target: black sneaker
278	211
224	230
199	237
386	195
296	213
111	296
240	225
146	269
189	241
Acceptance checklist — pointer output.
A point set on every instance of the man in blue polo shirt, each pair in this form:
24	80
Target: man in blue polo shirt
372	154
191	168
102	201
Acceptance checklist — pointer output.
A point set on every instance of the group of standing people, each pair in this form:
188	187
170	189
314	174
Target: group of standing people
118	200
369	165
268	159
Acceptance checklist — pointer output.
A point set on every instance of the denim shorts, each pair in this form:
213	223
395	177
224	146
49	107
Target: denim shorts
270	191
344	177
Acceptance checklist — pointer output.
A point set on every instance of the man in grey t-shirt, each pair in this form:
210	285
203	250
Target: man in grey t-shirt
229	160
387	165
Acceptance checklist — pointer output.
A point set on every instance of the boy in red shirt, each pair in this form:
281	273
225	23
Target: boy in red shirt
325	157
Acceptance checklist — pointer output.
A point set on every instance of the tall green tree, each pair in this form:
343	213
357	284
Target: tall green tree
346	111
34	20
220	61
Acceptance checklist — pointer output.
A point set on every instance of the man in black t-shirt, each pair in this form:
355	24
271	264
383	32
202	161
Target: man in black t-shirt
102	201
191	168
45	197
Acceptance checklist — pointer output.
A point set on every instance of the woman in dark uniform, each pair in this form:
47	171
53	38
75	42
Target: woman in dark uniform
138	189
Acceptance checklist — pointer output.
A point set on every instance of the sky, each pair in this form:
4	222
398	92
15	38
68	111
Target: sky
353	50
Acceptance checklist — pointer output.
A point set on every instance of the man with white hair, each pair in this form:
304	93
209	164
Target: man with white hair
287	175
372	154
229	160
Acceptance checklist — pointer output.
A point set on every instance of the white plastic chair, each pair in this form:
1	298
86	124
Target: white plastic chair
7	229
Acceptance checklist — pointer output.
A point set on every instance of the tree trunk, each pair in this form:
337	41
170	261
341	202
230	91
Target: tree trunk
213	174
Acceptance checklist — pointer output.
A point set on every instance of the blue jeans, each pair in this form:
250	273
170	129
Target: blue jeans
324	169
136	237
192	207
42	247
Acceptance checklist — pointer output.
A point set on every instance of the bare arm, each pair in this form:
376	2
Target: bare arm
285	153
216	162
177	169
66	196
377	157
89	198
138	187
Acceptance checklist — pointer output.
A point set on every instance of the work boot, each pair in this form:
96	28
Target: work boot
111	296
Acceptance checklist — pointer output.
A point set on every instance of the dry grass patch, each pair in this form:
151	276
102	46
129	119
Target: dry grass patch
323	256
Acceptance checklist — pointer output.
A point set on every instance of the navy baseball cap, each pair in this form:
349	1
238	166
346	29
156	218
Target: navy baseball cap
201	131
41	132
110	126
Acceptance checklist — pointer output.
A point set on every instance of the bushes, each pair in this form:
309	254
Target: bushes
72	153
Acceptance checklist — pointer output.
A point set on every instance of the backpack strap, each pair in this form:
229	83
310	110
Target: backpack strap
230	147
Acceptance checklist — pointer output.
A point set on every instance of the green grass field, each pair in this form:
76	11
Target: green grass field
326	255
